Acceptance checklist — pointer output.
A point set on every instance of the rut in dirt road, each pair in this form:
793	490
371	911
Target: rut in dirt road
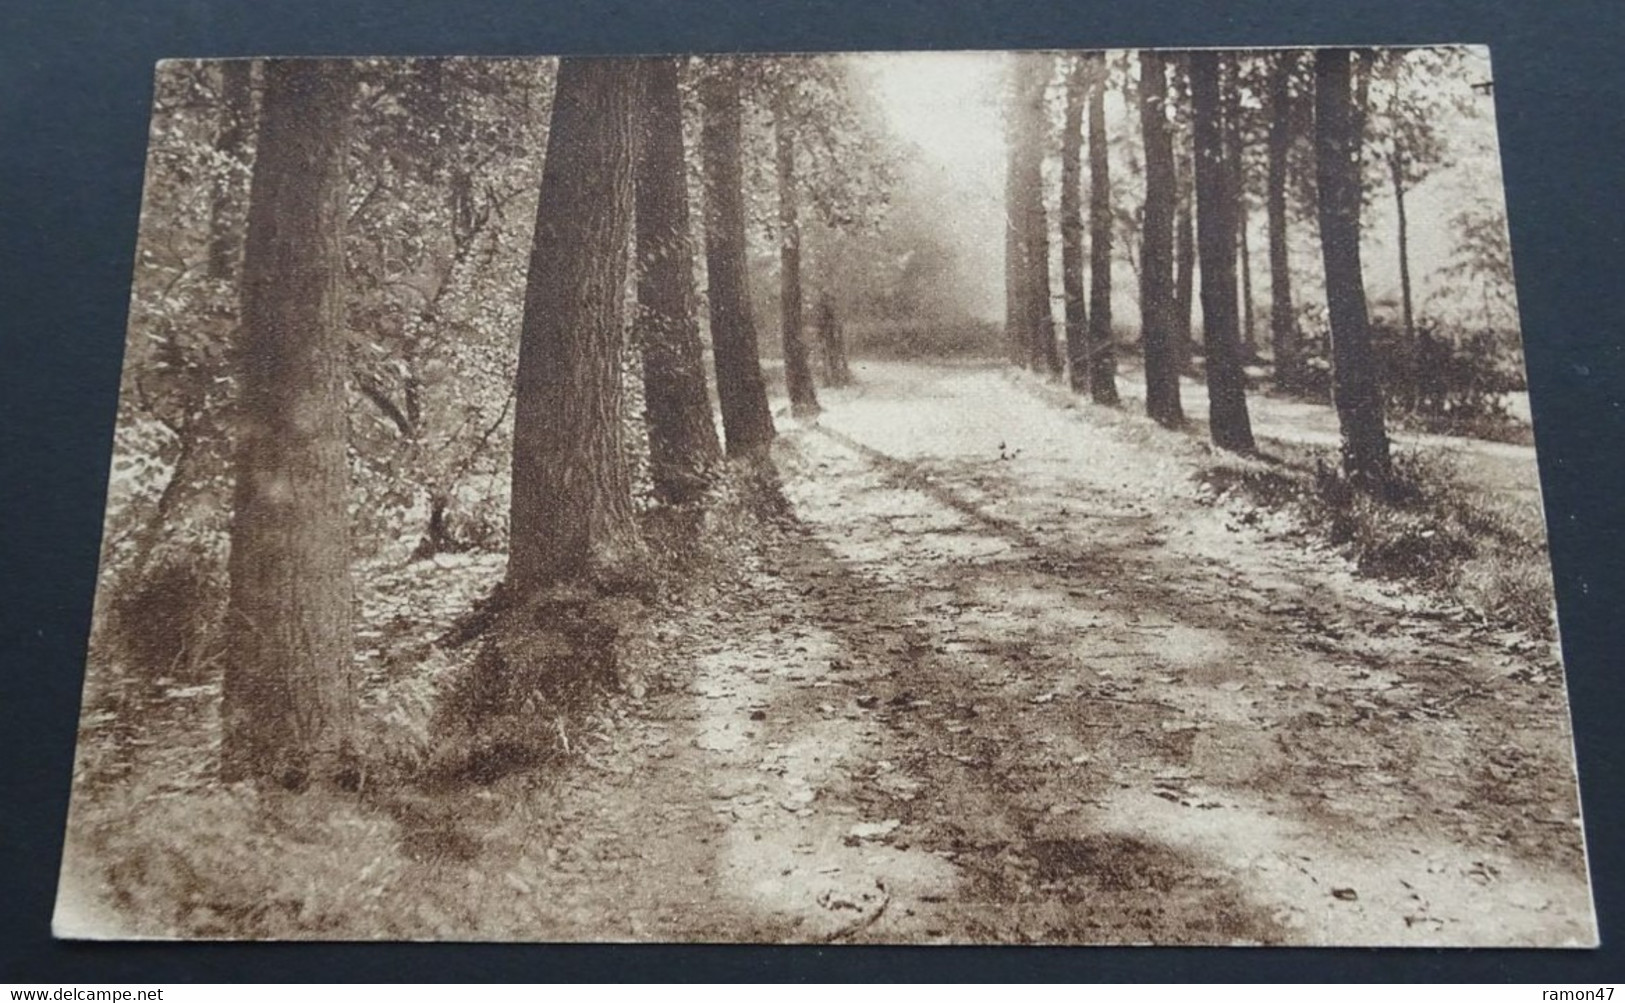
1122	717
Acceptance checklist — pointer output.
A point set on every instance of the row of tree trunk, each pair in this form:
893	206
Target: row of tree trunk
612	183
1195	210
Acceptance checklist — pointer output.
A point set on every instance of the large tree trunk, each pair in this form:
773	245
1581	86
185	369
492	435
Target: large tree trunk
747	424
288	705
1015	271
683	447
571	517
1283	317
1157	247
1396	166
1037	322
797	370
1356	391
1216	246
1077	310
1102	354
232	143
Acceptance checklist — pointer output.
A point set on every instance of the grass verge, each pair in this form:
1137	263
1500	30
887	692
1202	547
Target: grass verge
1436	529
158	847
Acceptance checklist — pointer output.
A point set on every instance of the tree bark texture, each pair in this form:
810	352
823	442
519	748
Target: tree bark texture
1244	255
1072	231
1102	352
1356	391
1185	272
571	517
1283	315
1184	226
233	143
1156	255
1037	322
289	695
747	424
798	376
1216	246
1015	275
1235	153
684	450
1396	166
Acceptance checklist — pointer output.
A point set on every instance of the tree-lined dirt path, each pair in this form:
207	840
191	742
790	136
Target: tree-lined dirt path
1014	679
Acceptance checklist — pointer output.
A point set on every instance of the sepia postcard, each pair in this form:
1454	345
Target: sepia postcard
1033	497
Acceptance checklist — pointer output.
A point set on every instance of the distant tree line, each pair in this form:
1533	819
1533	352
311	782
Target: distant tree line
1318	139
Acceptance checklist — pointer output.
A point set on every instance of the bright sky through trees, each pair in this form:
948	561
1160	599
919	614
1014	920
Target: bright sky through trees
947	104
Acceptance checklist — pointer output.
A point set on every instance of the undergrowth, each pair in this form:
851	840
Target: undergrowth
159	847
1431	527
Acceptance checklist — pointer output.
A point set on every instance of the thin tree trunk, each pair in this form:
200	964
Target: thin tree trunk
1184	229
1015	271
1244	253
571	515
1077	310
289	700
683	447
1396	164
1156	256
1283	317
437	537
747	424
1236	165
1228	422
797	370
1102	354
1185	274
832	343
1356	391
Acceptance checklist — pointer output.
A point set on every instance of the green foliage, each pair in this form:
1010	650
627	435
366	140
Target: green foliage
1444	380
1476	283
1447	380
444	171
1415	96
846	164
443	161
907	272
163	621
173	438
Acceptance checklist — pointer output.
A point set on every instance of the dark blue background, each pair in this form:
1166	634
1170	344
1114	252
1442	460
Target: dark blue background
74	89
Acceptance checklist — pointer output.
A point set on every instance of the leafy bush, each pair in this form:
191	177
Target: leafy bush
1444	380
164	615
1439	375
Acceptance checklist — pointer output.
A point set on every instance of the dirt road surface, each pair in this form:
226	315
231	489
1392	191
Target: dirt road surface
1015	679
